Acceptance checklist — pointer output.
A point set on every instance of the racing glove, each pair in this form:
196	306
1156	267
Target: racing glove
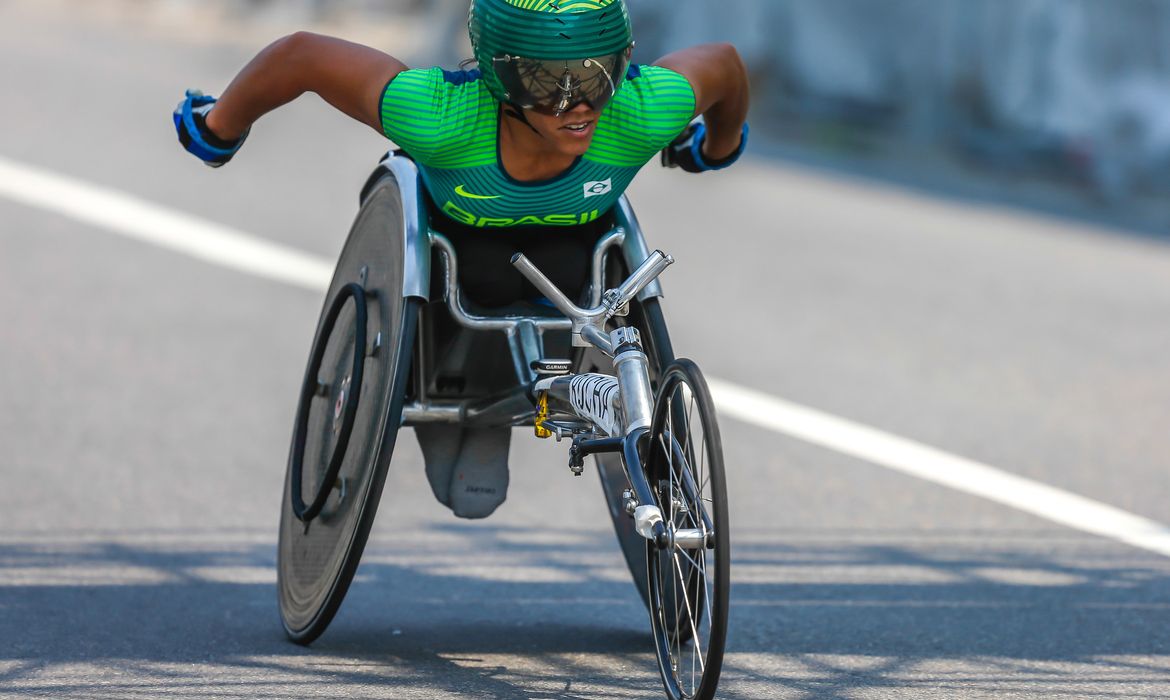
193	133
686	151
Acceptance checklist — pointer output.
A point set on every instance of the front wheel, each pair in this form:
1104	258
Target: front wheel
688	581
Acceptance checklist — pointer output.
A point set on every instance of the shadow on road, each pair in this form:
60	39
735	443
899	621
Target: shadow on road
489	614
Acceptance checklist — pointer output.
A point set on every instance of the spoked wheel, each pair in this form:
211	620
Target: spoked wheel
688	582
347	419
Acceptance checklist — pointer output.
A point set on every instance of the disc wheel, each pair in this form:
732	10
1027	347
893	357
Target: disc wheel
347	419
688	581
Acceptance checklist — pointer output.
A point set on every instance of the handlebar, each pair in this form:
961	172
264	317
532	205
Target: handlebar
612	300
589	323
654	264
546	287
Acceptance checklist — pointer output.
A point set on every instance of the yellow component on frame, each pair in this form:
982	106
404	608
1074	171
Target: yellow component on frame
542	416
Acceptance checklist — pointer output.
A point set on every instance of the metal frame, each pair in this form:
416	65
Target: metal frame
525	333
416	254
526	343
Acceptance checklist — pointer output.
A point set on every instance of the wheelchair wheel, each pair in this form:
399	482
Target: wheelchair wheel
347	418
688	582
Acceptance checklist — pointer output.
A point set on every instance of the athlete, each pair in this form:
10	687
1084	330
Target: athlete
527	153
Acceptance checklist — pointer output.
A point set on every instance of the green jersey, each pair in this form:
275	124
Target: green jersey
449	123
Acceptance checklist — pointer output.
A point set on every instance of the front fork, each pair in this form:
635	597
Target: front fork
633	375
647	516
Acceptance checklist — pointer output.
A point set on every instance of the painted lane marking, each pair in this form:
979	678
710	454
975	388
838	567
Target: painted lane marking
184	233
934	465
221	245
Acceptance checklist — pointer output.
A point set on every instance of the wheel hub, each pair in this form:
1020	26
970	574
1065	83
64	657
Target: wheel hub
339	404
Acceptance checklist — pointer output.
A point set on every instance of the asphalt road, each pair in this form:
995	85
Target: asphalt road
147	400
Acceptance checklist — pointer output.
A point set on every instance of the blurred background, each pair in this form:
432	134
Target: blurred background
1061	105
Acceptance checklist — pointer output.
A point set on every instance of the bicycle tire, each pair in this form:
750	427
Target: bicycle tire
688	588
317	557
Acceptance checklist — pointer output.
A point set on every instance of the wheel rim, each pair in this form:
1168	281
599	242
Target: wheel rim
688	586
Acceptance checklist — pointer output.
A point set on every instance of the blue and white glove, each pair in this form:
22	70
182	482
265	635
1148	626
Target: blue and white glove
196	137
686	151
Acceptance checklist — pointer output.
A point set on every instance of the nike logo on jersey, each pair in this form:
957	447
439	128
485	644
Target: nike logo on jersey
462	192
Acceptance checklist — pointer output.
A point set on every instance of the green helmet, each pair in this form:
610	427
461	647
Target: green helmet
550	55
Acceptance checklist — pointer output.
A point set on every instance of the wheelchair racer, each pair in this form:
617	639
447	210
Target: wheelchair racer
527	153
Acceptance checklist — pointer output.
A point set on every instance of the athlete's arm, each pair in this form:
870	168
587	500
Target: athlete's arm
348	76
720	80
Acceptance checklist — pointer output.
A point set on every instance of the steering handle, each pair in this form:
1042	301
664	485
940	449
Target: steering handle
612	300
547	288
654	264
589	324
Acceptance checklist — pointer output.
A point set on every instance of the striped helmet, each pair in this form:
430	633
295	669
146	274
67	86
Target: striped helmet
550	55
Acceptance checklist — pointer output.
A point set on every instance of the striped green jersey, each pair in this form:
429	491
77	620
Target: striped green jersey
449	123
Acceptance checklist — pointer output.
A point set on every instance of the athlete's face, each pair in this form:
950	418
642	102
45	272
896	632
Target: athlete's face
571	133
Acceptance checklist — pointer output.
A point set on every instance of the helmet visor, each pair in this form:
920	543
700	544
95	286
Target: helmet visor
556	86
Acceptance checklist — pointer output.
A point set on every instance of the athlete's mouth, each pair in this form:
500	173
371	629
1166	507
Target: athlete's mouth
578	127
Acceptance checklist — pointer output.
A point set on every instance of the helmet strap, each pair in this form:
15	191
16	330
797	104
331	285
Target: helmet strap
518	115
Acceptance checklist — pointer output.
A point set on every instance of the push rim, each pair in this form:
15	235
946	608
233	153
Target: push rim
348	402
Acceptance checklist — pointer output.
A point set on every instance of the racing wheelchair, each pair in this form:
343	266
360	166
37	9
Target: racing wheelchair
398	345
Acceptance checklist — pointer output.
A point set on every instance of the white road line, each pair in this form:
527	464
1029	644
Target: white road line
184	233
930	464
220	245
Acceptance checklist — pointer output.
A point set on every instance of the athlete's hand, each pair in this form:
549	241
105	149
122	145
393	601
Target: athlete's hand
686	151
199	140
